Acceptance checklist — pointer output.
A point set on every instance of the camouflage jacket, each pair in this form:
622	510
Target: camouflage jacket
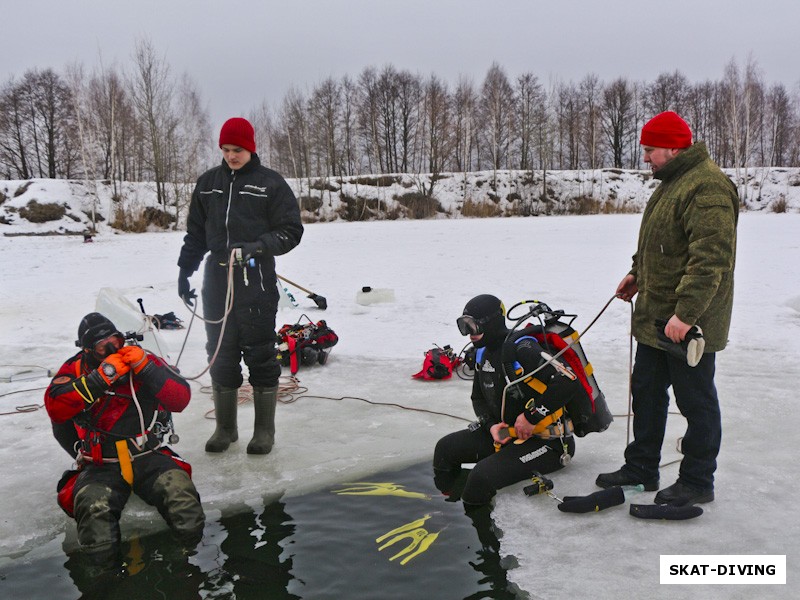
687	249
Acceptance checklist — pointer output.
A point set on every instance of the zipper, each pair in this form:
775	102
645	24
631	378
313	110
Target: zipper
228	209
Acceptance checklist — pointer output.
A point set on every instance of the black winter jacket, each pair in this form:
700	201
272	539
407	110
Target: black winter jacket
251	204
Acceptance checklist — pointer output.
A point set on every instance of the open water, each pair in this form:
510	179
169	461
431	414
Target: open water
392	536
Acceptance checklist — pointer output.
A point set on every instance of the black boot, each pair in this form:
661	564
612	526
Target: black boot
624	477
680	494
264	400
225	405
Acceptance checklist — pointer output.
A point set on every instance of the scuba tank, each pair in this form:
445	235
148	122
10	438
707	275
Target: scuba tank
589	412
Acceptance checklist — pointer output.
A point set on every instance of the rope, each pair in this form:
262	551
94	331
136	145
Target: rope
630	397
290	391
23	408
630	378
229	295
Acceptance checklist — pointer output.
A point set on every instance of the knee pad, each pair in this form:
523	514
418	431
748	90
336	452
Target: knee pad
179	504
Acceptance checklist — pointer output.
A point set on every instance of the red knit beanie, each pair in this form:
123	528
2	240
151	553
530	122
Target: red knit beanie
666	130
238	132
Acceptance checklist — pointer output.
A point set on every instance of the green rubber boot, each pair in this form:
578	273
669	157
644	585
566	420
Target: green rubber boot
264	400
225	405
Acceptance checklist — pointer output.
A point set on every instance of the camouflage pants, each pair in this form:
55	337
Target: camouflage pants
101	494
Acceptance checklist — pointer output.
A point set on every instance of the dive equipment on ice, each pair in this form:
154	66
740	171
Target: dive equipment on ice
305	343
665	512
439	363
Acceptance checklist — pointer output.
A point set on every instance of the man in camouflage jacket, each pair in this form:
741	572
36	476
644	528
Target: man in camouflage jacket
683	274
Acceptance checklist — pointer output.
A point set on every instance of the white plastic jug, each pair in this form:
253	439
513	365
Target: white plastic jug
369	295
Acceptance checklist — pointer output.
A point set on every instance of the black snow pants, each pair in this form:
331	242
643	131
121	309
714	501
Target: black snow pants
249	329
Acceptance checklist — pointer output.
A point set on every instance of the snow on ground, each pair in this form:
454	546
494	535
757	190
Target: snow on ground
500	193
434	267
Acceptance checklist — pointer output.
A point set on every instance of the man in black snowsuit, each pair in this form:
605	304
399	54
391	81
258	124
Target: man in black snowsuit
244	215
542	440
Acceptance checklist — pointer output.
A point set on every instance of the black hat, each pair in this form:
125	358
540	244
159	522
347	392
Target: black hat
484	314
93	328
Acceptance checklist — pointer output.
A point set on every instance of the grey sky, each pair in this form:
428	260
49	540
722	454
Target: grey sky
242	52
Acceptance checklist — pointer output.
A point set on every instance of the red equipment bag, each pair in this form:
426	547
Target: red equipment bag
305	343
438	364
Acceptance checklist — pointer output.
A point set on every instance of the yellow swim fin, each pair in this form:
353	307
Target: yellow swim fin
403	528
367	488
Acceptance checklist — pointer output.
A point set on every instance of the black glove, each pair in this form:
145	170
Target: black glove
689	350
183	287
249	249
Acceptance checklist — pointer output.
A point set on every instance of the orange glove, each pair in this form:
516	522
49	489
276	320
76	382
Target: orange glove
135	357
112	368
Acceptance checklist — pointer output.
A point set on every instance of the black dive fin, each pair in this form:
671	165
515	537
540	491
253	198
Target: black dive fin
665	512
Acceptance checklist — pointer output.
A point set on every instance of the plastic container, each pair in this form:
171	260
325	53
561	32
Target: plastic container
369	295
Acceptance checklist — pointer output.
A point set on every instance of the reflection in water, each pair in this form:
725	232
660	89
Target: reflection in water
332	546
239	557
156	567
488	556
253	548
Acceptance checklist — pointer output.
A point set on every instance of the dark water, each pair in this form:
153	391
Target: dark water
321	545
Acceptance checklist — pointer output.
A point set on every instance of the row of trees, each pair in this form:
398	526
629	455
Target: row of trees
392	121
146	125
149	125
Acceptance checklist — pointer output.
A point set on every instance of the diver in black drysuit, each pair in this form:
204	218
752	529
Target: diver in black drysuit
544	441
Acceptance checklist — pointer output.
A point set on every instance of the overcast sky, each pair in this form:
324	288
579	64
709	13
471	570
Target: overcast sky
242	52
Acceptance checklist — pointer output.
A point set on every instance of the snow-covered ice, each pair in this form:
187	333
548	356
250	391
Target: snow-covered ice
433	268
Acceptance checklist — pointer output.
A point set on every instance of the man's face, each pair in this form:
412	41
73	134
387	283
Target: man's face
235	156
658	157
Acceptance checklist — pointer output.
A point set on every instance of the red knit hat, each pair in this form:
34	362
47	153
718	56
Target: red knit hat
238	132
666	130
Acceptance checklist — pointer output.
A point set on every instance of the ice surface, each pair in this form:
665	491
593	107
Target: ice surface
434	267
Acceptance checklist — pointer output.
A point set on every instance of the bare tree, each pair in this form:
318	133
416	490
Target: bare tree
152	94
670	91
324	107
369	119
188	148
778	125
349	160
529	106
409	109
465	101
591	90
76	80
261	118
14	151
293	121
437	118
617	111
496	110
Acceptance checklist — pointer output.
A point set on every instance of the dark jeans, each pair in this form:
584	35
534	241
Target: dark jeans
693	387
493	470
250	328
